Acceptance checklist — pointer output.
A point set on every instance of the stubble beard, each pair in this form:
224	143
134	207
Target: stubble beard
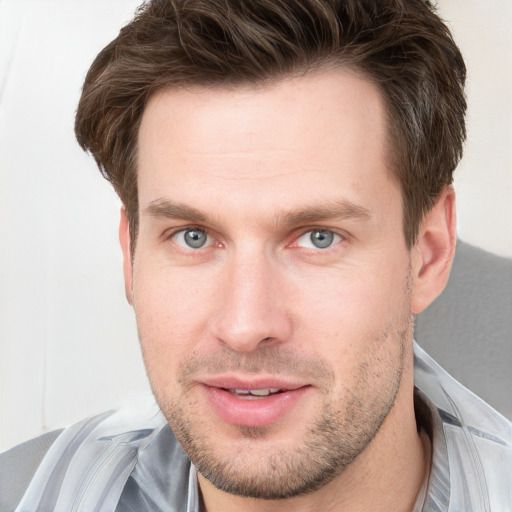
342	432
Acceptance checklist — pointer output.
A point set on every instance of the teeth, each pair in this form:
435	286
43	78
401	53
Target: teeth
260	392
255	392
241	391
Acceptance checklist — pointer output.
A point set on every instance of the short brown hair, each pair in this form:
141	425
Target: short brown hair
401	45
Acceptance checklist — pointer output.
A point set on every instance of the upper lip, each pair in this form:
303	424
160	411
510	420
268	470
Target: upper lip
241	382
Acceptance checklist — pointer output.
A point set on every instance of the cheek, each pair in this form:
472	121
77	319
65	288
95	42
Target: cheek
344	295
172	310
348	307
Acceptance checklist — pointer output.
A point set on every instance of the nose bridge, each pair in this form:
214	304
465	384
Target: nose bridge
251	305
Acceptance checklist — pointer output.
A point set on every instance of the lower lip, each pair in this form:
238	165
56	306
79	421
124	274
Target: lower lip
259	412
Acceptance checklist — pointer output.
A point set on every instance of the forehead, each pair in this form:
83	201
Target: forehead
323	133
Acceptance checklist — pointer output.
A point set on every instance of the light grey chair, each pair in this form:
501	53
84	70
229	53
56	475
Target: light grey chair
468	328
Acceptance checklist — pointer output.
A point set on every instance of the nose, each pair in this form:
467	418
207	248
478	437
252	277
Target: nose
252	308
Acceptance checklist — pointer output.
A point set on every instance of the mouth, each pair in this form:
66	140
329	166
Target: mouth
253	404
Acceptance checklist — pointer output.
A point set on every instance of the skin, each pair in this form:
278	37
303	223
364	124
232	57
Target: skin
256	171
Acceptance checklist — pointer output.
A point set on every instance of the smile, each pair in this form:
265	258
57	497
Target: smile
253	405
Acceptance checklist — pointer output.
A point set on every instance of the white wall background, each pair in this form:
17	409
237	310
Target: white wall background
68	345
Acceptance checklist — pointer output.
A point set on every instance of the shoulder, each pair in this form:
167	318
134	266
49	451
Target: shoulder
89	463
18	465
472	443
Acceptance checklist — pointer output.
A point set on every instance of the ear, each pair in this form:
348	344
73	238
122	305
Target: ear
432	255
124	239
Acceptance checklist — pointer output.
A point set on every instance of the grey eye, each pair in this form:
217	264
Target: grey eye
318	239
191	238
322	239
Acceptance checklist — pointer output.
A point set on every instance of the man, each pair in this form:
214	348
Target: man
285	169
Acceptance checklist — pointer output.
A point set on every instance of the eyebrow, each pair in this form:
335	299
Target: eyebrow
161	208
342	209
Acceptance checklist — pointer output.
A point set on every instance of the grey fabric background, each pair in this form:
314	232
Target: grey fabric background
468	329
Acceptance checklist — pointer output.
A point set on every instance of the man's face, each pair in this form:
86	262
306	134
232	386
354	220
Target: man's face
271	277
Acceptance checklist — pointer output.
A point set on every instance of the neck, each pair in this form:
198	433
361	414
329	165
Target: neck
388	475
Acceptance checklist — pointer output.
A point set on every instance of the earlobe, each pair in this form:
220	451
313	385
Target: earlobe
432	255
124	239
